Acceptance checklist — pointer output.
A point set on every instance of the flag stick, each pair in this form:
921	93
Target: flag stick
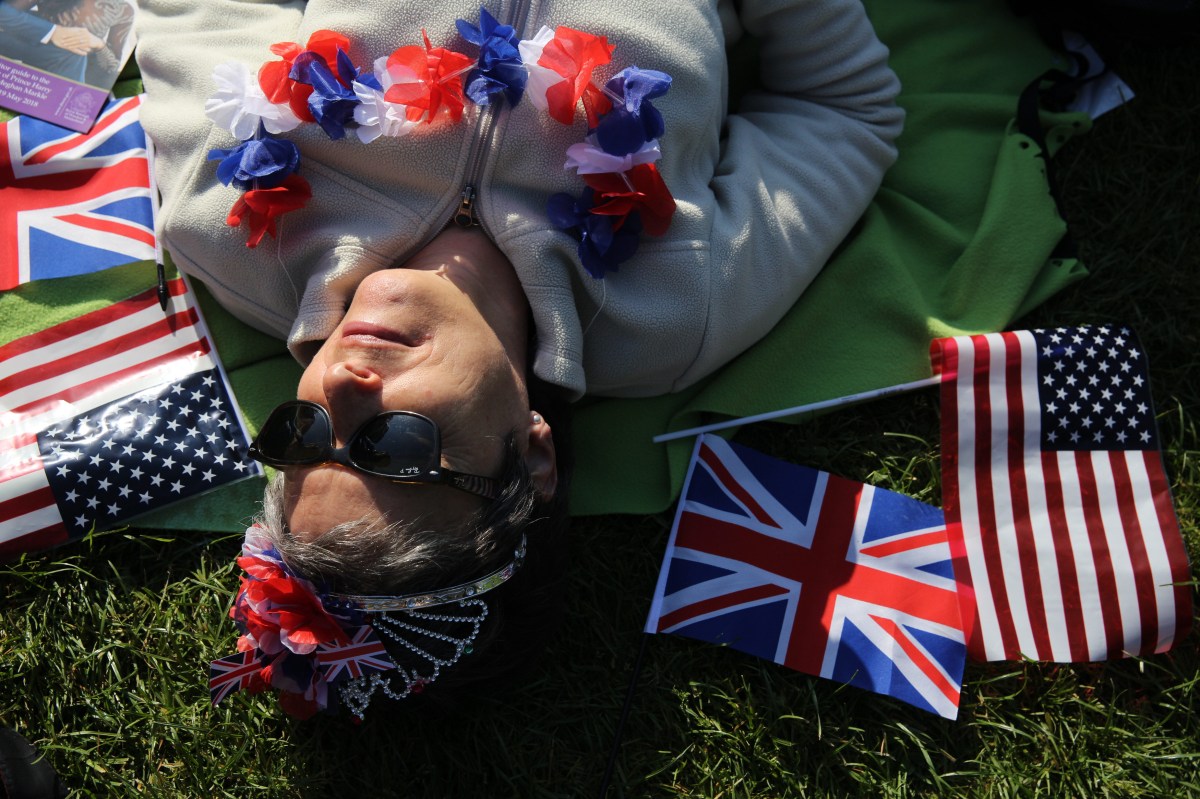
616	747
161	269
812	406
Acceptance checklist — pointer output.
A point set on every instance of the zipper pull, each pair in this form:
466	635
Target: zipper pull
465	215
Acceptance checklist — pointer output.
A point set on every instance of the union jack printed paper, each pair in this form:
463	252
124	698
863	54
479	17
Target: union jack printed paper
109	415
74	203
1066	541
364	654
819	573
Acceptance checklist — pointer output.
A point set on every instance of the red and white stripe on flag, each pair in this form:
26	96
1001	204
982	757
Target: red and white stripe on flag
1065	540
48	377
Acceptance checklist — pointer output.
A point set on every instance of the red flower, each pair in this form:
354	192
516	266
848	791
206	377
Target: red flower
260	207
641	189
273	75
439	75
281	612
575	55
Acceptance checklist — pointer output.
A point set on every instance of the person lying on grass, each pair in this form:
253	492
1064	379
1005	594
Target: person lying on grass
397	172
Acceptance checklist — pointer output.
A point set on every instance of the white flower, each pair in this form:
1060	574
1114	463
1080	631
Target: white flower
376	116
256	543
540	78
239	104
589	159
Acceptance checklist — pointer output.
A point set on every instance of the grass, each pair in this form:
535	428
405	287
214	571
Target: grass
102	644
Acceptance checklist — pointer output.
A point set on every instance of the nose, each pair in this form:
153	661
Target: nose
354	393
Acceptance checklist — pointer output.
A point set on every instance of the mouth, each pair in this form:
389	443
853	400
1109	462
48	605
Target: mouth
366	333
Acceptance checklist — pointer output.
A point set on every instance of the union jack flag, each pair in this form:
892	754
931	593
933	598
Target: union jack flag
233	673
74	203
818	573
364	654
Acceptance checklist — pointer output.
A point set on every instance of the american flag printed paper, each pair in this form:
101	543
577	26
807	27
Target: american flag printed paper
109	415
816	572
74	202
1065	537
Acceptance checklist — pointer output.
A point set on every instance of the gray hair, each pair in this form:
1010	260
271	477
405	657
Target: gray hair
370	555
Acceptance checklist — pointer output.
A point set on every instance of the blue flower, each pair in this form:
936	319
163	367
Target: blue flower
262	163
603	247
333	100
633	120
499	70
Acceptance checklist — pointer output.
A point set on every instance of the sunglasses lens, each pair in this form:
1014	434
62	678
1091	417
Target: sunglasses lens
396	445
294	434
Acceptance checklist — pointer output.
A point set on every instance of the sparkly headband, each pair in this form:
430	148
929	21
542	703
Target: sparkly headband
416	86
380	604
300	641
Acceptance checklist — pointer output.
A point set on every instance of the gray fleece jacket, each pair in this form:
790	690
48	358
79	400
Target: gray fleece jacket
764	195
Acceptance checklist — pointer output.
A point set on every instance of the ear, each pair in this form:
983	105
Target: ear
540	458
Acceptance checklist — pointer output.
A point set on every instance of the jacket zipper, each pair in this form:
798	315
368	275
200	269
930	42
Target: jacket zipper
464	214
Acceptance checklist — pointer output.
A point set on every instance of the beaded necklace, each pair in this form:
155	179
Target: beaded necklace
303	641
421	85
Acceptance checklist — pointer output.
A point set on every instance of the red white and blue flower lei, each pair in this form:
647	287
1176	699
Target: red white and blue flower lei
421	85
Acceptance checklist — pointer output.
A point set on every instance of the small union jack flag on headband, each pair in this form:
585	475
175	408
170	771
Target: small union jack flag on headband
819	573
364	654
234	673
74	202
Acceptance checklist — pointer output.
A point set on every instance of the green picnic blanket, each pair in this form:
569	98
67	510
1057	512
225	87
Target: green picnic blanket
959	239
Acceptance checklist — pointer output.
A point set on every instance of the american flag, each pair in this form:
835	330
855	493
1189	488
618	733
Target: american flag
109	415
819	573
1066	542
364	654
74	203
233	673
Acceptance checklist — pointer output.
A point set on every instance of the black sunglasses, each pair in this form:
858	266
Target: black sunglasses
401	446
